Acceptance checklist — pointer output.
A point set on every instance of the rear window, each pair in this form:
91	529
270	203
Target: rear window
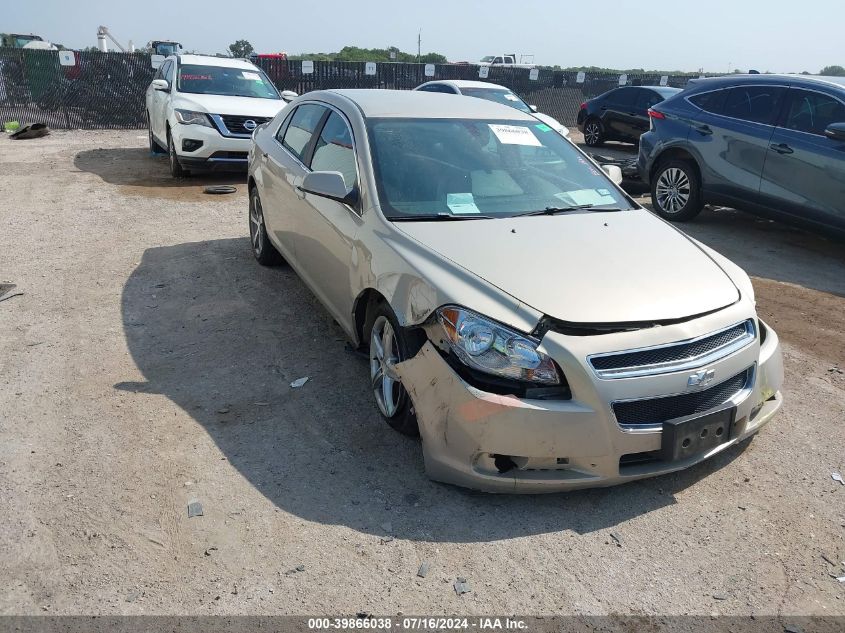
709	101
757	104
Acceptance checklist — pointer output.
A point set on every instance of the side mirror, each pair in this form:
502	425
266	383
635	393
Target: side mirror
534	108
161	84
835	131
329	184
614	172
289	95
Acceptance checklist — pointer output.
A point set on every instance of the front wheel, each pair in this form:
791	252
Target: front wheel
676	191
389	345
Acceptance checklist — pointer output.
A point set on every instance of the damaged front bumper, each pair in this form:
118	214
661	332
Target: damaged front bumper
501	443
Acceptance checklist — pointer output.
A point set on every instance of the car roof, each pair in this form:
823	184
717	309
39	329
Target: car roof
209	60
421	105
808	81
466	83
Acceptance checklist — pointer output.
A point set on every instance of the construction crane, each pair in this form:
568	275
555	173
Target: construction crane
103	33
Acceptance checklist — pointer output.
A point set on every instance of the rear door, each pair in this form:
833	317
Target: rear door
283	170
804	174
617	112
645	99
732	138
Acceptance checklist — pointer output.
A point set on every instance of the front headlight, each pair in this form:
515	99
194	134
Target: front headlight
490	347
190	117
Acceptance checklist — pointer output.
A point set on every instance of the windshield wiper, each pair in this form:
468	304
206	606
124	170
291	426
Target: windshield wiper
439	217
556	210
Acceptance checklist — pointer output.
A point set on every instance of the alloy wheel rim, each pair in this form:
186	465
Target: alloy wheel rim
256	221
591	134
673	190
384	354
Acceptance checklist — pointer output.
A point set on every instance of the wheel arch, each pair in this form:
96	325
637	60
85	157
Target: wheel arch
675	153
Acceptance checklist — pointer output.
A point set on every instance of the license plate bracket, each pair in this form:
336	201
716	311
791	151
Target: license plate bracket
687	437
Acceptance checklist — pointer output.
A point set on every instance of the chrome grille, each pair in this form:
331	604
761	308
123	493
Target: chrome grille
674	356
235	124
655	411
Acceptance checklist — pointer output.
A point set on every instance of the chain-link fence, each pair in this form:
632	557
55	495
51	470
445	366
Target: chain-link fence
106	90
96	90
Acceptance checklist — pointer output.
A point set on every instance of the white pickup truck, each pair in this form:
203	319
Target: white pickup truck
525	61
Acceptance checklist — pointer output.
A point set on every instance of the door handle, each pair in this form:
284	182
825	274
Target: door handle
782	148
703	129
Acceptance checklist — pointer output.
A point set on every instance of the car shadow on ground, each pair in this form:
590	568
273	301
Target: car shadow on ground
224	338
138	172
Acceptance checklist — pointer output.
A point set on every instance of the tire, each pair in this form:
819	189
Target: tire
593	133
263	250
155	148
176	170
676	191
387	350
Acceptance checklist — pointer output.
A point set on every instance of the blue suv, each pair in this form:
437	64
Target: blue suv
769	144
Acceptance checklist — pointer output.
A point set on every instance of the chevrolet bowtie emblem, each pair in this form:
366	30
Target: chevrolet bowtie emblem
701	378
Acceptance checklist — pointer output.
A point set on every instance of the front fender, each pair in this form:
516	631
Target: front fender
416	281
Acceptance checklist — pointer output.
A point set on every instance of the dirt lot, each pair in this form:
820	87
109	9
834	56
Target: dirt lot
148	363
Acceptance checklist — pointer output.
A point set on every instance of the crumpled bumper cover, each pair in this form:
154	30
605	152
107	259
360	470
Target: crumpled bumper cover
556	444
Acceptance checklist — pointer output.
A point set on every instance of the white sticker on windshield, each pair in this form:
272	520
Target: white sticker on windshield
511	97
461	203
515	135
251	75
586	196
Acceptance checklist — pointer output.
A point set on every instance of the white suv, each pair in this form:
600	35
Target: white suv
202	111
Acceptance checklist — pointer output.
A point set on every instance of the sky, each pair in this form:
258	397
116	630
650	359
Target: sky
713	35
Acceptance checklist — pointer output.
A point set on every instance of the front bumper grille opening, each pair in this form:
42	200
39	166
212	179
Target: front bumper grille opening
655	411
235	124
671	357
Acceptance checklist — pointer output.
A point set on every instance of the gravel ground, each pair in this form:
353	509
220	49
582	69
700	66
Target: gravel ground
148	363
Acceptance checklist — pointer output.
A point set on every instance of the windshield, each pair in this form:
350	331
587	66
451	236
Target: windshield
499	96
220	80
489	58
465	167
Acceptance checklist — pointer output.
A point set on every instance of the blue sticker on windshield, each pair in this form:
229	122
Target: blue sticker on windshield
543	127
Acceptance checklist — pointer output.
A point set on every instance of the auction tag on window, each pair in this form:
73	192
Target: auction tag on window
461	203
515	135
250	75
511	97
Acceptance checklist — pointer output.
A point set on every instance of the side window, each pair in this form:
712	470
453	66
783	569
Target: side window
758	104
169	73
161	73
647	98
438	88
498	60
624	96
812	112
334	152
302	125
280	133
710	101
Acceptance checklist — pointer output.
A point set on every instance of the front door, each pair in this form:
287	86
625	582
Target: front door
326	229
804	174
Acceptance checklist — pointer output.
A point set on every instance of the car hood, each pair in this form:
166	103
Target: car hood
590	268
552	123
219	104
